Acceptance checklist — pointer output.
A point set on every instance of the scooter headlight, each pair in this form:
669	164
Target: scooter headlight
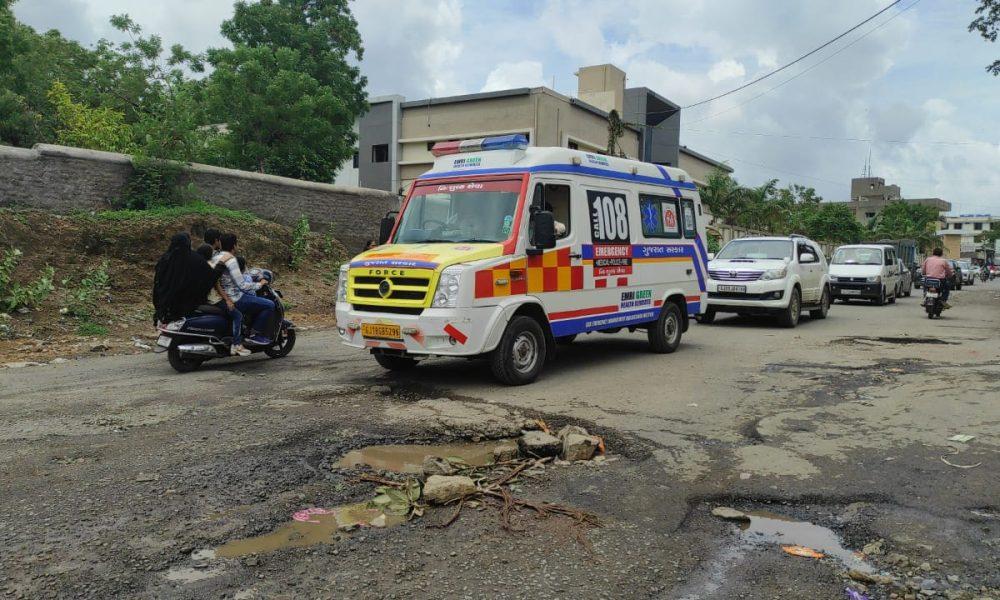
446	295
342	284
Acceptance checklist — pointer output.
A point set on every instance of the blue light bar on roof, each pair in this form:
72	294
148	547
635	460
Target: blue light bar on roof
515	141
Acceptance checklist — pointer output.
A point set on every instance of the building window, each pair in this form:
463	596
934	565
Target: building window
356	159
380	153
573	146
869	215
978	226
956	225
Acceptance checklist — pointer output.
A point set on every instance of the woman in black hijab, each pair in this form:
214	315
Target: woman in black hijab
182	281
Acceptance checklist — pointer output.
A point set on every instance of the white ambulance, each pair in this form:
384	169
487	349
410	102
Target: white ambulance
505	251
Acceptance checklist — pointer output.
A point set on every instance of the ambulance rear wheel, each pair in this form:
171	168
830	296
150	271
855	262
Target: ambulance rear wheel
395	363
665	334
520	355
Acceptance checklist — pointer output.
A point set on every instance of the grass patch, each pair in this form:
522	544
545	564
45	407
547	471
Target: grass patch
89	328
198	207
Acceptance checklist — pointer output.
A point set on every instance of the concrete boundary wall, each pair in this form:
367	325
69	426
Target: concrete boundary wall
64	180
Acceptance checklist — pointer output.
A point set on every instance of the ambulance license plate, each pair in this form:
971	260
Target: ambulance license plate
740	289
381	331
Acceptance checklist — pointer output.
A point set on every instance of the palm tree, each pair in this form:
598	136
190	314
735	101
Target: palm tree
721	194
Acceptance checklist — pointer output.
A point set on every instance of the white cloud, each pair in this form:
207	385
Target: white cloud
726	69
507	75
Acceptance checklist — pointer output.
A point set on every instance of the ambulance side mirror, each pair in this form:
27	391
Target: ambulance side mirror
385	228
543	231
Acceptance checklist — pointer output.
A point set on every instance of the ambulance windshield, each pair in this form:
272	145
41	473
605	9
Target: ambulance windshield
472	212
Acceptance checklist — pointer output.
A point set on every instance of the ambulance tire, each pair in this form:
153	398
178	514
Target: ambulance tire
565	340
665	333
520	355
395	363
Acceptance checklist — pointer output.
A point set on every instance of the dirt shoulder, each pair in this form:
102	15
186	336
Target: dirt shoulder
127	245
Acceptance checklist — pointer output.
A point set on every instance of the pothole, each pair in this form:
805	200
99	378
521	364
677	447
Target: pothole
310	527
763	527
409	458
894	340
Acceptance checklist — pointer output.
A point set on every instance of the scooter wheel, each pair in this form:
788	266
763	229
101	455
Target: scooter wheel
183	364
284	345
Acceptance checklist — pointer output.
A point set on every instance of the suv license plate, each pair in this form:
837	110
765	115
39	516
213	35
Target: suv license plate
381	331
850	292
742	289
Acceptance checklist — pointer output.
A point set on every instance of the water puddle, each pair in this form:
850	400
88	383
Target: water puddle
409	458
766	527
310	527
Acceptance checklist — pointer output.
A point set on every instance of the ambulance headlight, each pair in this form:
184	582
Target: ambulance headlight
342	284
446	295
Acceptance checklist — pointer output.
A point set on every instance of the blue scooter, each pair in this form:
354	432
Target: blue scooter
207	333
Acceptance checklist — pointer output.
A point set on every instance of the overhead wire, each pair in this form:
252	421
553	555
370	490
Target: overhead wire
797	60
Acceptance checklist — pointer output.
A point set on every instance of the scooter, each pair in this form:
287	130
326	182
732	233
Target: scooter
933	303
207	332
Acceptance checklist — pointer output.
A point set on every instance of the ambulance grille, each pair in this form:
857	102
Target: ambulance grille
409	292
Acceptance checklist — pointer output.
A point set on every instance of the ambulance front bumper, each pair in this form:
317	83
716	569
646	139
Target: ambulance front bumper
434	332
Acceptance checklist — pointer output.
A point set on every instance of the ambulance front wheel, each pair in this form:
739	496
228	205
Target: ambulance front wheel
665	333
520	355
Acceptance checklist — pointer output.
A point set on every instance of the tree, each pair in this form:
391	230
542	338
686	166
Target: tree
286	90
721	195
833	222
987	24
905	220
84	127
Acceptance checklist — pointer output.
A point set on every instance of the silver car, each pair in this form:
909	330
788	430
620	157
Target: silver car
905	287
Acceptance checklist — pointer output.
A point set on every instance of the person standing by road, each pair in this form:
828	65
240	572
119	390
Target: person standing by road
936	267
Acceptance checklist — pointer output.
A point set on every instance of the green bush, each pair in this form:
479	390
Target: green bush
155	183
14	295
89	328
196	207
83	296
300	243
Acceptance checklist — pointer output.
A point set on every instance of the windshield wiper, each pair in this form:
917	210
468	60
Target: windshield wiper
476	241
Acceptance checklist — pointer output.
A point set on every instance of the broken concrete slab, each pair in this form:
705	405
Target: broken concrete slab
539	444
729	514
568	429
435	465
577	446
440	489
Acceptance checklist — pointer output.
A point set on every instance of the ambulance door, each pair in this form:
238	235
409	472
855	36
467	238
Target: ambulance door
610	217
556	275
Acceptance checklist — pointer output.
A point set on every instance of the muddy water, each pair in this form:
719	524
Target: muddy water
409	458
767	527
316	529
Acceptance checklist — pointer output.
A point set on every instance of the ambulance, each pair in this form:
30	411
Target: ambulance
505	251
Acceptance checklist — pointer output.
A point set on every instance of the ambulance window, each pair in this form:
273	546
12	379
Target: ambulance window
690	225
660	218
557	201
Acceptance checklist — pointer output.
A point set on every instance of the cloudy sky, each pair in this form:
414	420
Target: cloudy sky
915	85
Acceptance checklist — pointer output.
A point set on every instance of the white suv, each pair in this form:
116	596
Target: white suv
778	276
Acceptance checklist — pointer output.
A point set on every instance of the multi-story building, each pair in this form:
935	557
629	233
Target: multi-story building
396	136
869	195
961	236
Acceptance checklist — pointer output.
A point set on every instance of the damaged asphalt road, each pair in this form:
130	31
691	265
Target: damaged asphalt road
117	473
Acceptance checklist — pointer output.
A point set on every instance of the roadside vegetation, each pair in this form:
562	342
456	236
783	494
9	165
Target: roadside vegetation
281	99
774	210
